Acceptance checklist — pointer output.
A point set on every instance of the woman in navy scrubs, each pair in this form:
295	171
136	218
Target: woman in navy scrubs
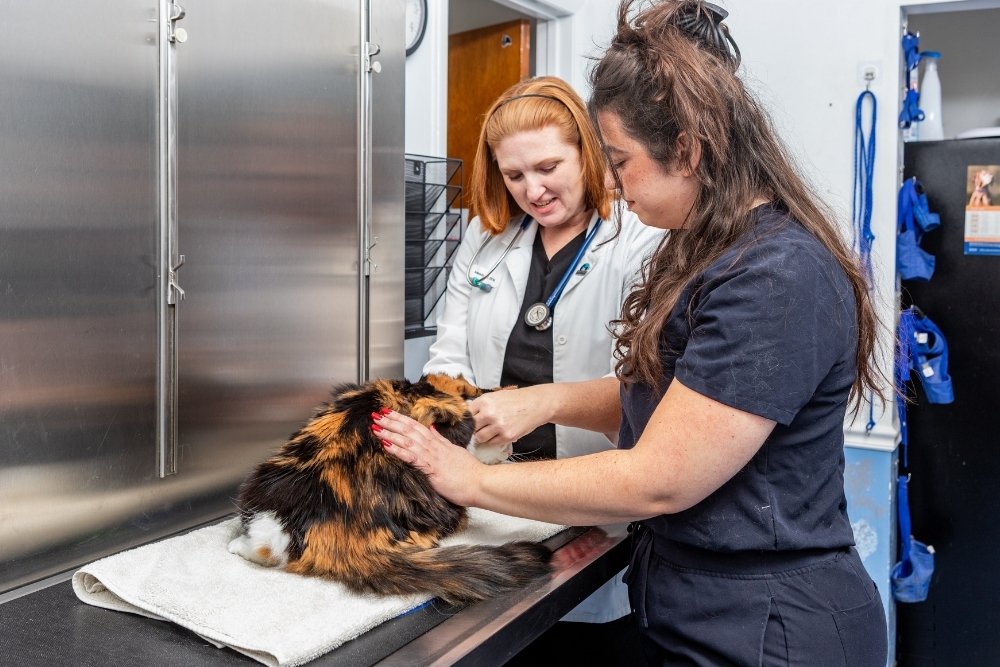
738	356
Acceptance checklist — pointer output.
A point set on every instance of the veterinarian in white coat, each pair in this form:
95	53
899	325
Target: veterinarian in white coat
474	325
538	186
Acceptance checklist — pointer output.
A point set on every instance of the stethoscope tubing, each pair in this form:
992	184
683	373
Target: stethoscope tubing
540	314
478	282
550	303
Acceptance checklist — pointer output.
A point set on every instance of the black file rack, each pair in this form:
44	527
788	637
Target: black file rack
433	233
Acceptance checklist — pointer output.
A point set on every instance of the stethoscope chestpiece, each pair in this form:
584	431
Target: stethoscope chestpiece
538	316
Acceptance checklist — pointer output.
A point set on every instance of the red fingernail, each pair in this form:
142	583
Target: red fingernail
386	444
385	411
376	416
376	428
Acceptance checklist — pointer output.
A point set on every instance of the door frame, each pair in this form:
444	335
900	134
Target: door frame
553	33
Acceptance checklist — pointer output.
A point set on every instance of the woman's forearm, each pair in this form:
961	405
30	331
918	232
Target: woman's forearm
596	489
594	405
506	415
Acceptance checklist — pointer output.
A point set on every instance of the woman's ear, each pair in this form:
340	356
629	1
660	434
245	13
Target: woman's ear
689	152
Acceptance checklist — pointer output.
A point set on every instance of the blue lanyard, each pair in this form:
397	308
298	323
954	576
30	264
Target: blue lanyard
550	303
861	206
864	174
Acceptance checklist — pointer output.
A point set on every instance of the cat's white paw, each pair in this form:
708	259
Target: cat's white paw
265	541
490	454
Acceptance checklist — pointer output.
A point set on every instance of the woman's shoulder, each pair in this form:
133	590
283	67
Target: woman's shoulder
786	237
779	253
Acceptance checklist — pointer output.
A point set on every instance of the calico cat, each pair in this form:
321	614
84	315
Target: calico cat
331	502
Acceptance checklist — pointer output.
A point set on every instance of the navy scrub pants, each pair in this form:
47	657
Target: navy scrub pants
812	608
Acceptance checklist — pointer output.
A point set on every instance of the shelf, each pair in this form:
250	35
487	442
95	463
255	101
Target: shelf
433	233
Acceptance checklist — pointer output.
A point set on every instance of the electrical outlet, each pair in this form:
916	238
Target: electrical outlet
867	73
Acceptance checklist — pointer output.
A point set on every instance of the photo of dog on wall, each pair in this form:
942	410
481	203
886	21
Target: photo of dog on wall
979	186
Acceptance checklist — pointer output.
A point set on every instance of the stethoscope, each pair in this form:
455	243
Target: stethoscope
478	281
538	315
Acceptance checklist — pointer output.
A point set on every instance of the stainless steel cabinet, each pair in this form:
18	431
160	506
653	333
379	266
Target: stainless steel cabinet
267	150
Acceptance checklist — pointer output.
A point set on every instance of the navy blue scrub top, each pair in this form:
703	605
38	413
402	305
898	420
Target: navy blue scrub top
771	331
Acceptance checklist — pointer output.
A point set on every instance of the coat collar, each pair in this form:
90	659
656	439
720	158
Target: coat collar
518	261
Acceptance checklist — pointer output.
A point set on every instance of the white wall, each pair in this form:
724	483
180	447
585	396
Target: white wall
803	59
427	86
806	69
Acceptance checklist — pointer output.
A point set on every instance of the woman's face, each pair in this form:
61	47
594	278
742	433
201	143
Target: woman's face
544	175
658	196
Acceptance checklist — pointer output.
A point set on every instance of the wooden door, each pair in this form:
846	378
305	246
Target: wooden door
482	63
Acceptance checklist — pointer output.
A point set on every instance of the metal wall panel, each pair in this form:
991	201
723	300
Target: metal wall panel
77	300
267	197
267	207
386	293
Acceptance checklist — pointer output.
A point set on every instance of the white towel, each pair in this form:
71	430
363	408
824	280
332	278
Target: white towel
271	615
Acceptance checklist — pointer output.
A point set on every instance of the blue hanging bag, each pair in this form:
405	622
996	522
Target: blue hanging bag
912	261
911	576
929	355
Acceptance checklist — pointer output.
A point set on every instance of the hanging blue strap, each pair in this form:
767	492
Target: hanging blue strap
862	204
864	175
904	206
911	51
903	363
910	578
910	111
903	512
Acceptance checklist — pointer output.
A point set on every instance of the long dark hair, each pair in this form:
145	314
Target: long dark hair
670	72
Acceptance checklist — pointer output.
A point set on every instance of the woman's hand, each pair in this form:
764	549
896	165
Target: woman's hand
505	415
452	471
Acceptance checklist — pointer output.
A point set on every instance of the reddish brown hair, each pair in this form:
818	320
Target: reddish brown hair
533	104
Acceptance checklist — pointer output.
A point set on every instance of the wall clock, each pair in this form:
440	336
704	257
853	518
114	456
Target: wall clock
416	23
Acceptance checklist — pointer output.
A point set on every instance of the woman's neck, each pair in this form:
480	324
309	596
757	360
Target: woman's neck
555	238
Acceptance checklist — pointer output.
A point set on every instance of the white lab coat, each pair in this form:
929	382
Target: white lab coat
473	327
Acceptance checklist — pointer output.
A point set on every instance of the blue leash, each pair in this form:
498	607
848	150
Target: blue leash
864	174
862	204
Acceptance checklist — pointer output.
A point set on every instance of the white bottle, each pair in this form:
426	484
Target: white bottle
931	127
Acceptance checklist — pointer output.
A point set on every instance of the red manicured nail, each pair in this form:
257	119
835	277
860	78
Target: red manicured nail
376	428
376	416
385	411
386	444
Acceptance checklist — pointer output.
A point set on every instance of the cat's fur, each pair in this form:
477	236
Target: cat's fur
332	502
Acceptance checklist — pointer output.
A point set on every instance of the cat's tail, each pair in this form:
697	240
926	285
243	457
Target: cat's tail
464	573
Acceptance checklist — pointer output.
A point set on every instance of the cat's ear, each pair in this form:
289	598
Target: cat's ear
455	386
431	410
